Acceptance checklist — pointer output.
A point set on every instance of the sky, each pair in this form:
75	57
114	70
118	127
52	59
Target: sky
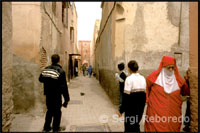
87	12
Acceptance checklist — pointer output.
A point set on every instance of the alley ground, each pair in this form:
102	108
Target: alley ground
90	109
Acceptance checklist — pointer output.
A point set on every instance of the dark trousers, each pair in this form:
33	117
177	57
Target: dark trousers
55	114
134	111
90	73
54	104
187	114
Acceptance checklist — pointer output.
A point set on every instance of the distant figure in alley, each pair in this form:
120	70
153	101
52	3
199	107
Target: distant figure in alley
163	96
54	80
134	98
90	70
83	69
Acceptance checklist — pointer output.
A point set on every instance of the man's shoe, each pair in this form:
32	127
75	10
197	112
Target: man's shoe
46	130
60	129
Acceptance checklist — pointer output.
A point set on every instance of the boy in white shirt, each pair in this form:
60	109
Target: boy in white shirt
134	98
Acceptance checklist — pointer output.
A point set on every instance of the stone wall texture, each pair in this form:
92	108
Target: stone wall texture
7	89
93	43
193	70
141	31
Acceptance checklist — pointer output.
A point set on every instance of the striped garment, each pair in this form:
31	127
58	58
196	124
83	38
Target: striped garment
52	73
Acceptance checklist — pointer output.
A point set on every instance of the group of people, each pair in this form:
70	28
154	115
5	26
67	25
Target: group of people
88	70
161	91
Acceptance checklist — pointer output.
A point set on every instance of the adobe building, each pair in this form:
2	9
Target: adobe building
93	43
193	69
141	31
40	29
70	38
7	69
84	50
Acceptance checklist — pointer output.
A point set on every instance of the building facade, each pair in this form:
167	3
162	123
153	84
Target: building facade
7	69
141	31
40	29
93	43
84	50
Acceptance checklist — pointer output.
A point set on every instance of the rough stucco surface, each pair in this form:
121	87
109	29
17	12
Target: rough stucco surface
7	102
193	73
104	64
158	36
110	84
26	86
148	34
27	91
38	33
46	39
26	30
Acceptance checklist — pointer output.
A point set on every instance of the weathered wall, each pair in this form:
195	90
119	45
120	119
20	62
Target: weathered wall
7	61
104	53
93	43
75	50
141	31
166	34
193	73
38	32
26	30
50	30
27	91
69	46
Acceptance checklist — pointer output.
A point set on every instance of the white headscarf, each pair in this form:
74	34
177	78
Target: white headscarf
167	80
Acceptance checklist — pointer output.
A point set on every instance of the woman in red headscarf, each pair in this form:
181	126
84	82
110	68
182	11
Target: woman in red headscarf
163	97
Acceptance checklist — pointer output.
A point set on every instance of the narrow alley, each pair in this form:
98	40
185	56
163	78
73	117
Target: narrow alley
118	58
89	109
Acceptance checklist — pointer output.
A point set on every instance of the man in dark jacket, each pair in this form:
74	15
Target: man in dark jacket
54	80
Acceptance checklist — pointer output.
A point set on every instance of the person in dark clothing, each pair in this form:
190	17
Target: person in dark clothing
187	113
121	78
83	69
54	80
90	70
134	98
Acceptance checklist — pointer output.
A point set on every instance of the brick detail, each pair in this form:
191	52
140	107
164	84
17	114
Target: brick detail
43	59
